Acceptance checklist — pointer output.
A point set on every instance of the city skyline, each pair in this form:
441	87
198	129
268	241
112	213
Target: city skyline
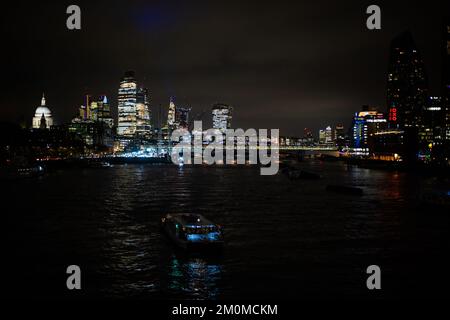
217	159
335	98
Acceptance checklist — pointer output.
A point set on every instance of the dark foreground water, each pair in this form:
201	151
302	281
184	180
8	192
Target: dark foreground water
285	239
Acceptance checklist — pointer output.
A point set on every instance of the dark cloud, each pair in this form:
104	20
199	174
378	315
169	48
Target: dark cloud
289	65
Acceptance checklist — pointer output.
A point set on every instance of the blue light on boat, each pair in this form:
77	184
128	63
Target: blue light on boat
212	236
200	226
195	237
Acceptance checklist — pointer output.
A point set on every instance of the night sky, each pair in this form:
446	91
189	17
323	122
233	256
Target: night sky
286	65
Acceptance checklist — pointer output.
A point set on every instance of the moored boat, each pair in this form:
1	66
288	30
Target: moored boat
294	174
98	164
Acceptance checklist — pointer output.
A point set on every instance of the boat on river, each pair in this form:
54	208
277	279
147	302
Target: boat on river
192	231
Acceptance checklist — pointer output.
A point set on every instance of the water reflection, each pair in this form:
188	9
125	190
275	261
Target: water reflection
129	259
197	277
282	236
130	247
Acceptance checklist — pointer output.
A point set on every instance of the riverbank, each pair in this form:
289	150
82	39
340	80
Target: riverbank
421	168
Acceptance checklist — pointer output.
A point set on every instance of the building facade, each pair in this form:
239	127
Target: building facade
222	115
43	118
104	111
143	115
182	117
339	135
127	99
366	123
171	114
407	83
445	91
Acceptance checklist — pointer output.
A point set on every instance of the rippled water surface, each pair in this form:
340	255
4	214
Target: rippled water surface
285	239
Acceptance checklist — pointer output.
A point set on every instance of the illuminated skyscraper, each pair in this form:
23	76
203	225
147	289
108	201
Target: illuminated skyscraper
96	110
431	135
85	109
326	136
407	83
322	136
222	115
93	111
171	114
127	99
182	117
339	135
359	132
104	111
365	124
143	117
329	135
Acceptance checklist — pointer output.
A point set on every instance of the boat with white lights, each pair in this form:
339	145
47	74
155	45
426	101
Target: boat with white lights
98	164
192	231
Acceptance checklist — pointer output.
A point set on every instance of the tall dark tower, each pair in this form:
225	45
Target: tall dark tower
446	58
446	86
143	116
407	83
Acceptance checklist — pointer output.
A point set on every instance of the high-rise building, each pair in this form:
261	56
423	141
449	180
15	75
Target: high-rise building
96	110
329	136
407	83
433	131
171	114
182	117
339	135
94	134
84	111
104	111
326	136
446	89
308	138
365	124
42	116
359	132
222	115
93	111
322	136
143	116
127	99
94	124
446	58
307	133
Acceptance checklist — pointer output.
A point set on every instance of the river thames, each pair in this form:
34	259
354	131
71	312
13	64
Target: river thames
285	239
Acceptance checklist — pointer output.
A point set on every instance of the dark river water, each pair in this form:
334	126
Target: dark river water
285	239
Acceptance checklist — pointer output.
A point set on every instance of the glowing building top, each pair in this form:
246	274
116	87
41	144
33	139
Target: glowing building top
171	114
